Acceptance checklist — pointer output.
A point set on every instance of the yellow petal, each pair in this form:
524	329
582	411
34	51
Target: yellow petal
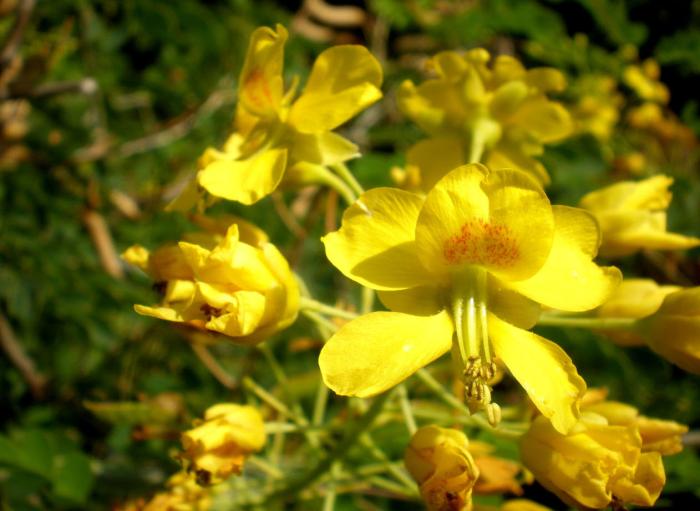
569	280
511	306
261	84
645	485
547	120
435	157
499	220
375	352
325	148
375	244
242	315
246	181
543	369
420	300
432	105
344	81
507	155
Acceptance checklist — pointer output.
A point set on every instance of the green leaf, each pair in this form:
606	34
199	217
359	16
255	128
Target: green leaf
72	477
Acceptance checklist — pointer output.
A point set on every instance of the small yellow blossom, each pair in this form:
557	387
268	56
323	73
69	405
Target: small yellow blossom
278	138
644	81
598	107
466	268
182	494
595	464
632	216
514	505
219	445
228	279
658	435
499	115
440	462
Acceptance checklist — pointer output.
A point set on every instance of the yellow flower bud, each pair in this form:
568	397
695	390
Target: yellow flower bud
439	461
632	216
227	279
634	298
218	446
594	464
644	81
673	331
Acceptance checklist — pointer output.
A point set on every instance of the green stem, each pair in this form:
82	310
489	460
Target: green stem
406	409
389	466
591	323
320	321
344	172
328	310
351	436
326	177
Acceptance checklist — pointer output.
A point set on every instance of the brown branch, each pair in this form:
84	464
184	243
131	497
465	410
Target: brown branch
102	239
85	86
218	372
14	351
14	39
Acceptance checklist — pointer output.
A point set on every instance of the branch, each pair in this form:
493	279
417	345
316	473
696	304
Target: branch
11	44
14	351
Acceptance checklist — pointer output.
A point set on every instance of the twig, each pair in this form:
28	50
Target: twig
86	86
213	366
14	39
14	351
102	239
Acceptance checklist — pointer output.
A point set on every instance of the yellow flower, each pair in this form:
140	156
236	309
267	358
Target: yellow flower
229	279
499	115
471	261
632	216
514	505
598	107
635	299
657	435
218	446
440	462
644	81
278	138
673	331
496	475
595	464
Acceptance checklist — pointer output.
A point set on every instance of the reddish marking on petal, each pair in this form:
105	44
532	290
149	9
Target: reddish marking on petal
257	89
481	242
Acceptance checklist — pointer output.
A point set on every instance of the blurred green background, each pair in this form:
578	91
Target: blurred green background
105	107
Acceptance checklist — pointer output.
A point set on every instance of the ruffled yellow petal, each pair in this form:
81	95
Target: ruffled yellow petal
644	487
569	280
242	314
344	81
261	84
246	181
543	369
375	352
375	244
500	220
435	157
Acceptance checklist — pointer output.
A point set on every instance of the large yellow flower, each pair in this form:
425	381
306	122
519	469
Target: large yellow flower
473	258
500	115
632	216
278	138
228	279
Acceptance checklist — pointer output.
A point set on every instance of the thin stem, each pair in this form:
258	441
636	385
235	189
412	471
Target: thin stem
407	410
320	404
326	177
389	466
367	303
329	499
266	467
218	372
271	400
329	310
320	321
337	453
344	172
591	323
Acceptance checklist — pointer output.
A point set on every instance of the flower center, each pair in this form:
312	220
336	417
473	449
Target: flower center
481	242
471	341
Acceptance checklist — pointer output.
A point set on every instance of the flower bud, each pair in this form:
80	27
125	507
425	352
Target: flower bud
439	461
593	465
218	446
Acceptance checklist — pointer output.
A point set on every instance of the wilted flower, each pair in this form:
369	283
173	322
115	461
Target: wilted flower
219	445
278	138
500	116
632	216
595	464
440	462
233	282
469	263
